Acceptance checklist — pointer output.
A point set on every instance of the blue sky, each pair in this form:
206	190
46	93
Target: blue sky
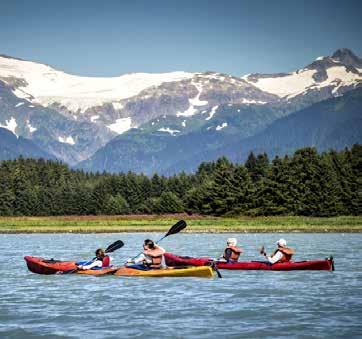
110	38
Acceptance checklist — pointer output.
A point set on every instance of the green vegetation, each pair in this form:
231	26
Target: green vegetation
132	223
306	184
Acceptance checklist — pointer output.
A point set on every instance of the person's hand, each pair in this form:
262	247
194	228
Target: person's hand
80	267
262	251
129	261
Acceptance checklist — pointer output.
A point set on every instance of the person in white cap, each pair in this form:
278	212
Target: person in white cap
231	252
281	254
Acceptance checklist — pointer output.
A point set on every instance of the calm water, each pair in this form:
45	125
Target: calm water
245	304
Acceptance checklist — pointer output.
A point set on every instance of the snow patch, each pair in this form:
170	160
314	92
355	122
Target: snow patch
220	127
19	104
117	105
48	86
299	82
94	118
10	125
193	102
121	125
183	123
66	140
31	128
339	76
212	112
320	58
247	102
188	113
196	101
291	84
169	130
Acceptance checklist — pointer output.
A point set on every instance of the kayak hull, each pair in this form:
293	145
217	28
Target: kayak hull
324	265
44	266
200	272
103	271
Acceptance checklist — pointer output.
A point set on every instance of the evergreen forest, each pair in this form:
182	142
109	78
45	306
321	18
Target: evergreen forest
307	183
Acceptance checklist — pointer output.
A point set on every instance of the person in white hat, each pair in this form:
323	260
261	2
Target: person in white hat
231	252
281	254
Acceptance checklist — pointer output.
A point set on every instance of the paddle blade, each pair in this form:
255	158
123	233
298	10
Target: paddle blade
115	246
179	226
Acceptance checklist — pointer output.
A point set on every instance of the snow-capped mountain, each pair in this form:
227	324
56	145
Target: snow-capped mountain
335	75
71	117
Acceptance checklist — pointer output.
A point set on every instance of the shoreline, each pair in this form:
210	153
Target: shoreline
161	223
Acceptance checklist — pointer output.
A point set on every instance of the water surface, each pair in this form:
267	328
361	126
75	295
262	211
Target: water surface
244	304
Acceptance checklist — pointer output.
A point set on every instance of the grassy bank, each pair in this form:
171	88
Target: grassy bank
197	224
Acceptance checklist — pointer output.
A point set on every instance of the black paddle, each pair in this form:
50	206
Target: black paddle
111	248
115	246
178	227
214	267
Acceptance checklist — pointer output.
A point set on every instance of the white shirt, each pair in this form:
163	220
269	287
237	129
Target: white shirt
275	258
95	263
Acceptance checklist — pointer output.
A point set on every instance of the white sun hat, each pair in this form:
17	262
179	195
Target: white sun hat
282	242
232	241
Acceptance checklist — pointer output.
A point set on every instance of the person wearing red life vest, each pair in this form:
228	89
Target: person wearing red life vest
100	260
152	256
231	252
281	254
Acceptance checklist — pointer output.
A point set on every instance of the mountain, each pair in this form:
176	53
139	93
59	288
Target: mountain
62	137
137	121
331	124
11	147
324	78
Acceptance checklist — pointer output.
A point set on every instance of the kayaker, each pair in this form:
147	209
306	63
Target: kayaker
231	252
281	254
152	256
100	260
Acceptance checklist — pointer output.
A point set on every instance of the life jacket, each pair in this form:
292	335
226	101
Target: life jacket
287	253
232	253
106	261
156	260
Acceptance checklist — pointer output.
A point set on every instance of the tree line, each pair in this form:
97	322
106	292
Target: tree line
307	183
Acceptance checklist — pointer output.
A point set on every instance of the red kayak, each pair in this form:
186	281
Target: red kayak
326	265
45	266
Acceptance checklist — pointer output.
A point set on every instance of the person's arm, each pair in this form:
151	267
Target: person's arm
161	249
139	259
275	258
96	263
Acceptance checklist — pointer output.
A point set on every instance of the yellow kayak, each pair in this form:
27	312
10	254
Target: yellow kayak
103	271
200	271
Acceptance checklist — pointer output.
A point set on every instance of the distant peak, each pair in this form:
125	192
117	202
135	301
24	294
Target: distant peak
342	52
346	57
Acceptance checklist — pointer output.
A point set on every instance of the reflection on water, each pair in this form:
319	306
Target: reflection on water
246	304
